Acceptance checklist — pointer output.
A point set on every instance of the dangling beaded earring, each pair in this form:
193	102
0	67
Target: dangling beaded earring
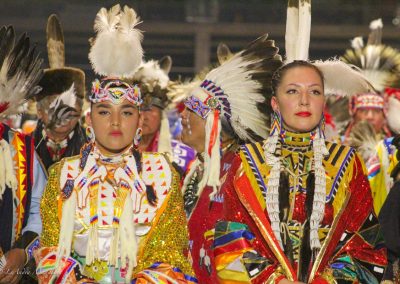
90	134
138	137
188	125
276	124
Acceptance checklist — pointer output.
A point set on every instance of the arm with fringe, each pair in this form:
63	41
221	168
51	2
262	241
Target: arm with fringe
240	254
356	254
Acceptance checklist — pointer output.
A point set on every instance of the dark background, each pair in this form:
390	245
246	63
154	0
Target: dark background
189	31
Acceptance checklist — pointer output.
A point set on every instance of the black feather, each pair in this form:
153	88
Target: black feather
7	38
284	208
305	249
17	55
151	195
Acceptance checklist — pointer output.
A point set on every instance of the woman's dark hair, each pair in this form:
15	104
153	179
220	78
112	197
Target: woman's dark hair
279	73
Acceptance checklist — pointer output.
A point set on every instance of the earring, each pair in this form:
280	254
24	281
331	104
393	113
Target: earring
276	124
188	124
138	137
90	134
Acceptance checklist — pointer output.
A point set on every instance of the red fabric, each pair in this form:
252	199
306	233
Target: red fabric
234	211
353	216
203	218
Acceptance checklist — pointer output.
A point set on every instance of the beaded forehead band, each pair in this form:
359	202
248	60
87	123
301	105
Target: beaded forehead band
216	99
115	91
366	101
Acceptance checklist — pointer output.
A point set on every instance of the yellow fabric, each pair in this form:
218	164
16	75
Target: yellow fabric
378	182
168	237
49	208
332	166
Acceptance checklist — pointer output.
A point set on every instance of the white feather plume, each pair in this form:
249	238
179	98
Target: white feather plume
357	43
117	49
341	79
304	31
107	21
376	24
292	27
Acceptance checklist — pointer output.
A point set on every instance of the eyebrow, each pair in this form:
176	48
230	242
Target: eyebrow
128	106
109	106
298	85
102	105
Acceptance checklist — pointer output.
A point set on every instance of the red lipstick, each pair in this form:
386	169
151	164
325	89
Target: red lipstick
303	114
116	133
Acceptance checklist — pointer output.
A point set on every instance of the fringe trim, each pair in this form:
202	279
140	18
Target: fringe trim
66	232
7	174
272	195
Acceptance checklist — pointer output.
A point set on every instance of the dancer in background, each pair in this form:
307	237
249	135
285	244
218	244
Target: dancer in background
22	178
228	108
58	133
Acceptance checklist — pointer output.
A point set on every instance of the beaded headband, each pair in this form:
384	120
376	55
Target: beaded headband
216	99
115	91
369	100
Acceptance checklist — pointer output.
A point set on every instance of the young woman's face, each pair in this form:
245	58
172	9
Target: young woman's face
193	130
114	125
300	99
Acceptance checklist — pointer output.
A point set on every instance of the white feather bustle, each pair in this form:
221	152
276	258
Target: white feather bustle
7	174
117	49
164	140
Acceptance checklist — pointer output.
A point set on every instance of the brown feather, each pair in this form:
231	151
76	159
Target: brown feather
55	42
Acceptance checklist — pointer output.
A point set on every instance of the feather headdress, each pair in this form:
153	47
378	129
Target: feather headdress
20	71
116	51
380	64
234	95
60	84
